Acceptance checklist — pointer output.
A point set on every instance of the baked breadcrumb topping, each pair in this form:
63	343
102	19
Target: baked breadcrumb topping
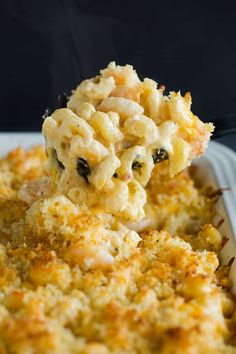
106	244
74	279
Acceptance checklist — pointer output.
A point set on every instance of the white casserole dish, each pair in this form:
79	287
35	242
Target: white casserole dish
217	168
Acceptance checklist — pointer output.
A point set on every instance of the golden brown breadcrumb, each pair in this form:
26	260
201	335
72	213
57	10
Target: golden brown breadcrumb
76	280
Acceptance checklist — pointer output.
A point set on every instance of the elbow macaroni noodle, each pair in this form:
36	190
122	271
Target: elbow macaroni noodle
76	279
101	147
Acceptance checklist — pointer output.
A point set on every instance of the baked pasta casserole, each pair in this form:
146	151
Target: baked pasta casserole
106	243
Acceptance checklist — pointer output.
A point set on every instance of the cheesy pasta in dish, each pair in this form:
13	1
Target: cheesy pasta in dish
77	280
103	147
106	244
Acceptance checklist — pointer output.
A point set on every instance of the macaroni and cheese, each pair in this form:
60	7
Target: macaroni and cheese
106	244
102	148
77	280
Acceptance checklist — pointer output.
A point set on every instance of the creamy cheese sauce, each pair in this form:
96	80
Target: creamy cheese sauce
102	148
106	244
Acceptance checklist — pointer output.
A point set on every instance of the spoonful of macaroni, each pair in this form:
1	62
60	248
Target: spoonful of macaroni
103	145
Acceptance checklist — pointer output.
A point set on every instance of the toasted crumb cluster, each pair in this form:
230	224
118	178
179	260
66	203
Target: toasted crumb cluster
77	280
21	166
103	147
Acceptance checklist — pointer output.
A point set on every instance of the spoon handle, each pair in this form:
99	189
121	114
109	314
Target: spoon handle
224	125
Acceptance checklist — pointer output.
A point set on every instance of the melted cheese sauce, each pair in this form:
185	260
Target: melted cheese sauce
103	252
102	148
74	279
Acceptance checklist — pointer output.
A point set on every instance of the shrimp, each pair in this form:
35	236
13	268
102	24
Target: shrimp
34	190
132	93
126	79
200	137
197	135
123	75
88	256
123	106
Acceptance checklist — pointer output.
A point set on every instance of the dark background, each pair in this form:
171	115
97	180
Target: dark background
48	47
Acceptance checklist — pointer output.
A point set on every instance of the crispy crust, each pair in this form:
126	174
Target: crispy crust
160	293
